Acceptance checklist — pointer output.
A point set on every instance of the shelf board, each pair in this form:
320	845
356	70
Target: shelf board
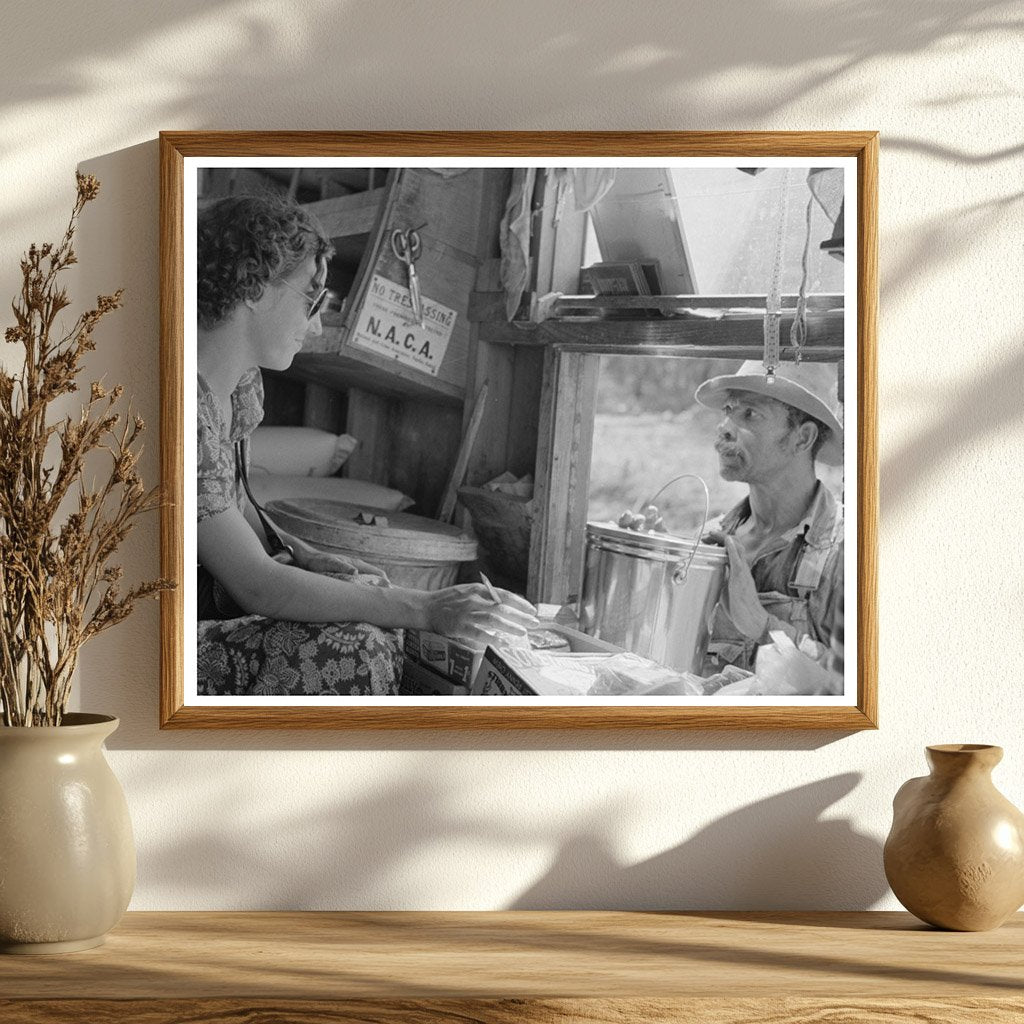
489	306
344	369
509	967
706	326
728	338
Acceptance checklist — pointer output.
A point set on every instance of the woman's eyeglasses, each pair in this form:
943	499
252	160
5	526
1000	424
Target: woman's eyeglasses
316	302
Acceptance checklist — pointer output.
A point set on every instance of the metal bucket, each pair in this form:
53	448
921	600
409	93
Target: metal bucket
651	593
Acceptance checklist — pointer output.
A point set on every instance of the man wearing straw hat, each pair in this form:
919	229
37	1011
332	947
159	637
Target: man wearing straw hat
785	540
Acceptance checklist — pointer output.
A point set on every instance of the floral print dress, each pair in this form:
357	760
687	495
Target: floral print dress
243	655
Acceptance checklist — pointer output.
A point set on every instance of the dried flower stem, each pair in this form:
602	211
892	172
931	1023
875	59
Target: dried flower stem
58	588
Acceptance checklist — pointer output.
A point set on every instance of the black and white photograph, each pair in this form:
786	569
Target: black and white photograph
485	433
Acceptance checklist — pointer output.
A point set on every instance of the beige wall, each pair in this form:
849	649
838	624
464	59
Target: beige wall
753	820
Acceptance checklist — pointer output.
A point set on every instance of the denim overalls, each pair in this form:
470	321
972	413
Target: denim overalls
799	579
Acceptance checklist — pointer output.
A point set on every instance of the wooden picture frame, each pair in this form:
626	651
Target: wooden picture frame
547	333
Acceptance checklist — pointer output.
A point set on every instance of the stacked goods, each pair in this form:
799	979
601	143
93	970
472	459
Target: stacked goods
447	667
453	660
420	681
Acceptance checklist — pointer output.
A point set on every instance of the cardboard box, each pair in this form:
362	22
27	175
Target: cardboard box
418	680
457	662
515	673
518	673
581	643
453	659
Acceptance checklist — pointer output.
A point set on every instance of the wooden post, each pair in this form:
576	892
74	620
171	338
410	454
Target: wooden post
564	443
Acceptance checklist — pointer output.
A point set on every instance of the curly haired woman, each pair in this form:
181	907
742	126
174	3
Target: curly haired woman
305	623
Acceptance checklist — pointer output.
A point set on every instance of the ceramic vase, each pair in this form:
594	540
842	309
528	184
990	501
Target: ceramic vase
955	855
67	855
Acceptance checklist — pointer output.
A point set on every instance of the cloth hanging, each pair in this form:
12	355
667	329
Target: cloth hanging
515	238
590	185
826	185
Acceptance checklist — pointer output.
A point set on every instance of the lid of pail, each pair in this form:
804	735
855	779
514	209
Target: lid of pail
332	524
661	546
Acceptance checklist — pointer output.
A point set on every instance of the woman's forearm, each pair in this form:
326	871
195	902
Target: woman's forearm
294	594
469	610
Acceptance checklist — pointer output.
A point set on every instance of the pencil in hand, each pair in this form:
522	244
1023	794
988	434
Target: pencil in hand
490	589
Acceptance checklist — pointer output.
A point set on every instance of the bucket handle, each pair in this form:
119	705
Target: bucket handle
680	572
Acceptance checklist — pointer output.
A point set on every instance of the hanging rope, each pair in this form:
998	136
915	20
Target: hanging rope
798	331
773	300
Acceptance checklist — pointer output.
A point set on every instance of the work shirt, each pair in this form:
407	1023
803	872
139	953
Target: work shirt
799	580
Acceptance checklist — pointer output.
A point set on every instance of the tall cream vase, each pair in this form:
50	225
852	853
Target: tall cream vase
67	854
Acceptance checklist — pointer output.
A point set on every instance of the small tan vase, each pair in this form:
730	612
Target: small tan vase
955	854
67	856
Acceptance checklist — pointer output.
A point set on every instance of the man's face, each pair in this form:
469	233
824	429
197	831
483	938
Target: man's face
754	440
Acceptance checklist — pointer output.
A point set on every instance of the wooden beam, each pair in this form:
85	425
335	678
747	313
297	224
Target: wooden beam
489	304
355	214
672	303
690	336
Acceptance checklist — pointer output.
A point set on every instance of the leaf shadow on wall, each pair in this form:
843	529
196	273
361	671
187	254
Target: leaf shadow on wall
961	157
938	244
672	47
990	403
311	66
778	853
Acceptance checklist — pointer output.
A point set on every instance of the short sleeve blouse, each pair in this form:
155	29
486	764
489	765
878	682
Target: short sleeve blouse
218	487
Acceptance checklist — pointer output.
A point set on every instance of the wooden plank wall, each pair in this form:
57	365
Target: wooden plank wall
507	439
509	433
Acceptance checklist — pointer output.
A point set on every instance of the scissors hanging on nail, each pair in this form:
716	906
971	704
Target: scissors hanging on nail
407	246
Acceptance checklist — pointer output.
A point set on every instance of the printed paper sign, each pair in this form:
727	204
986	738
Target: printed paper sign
384	326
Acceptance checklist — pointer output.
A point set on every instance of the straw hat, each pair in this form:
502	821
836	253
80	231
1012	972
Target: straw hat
810	387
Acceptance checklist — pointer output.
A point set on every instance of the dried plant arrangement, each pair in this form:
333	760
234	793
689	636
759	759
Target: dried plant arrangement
58	534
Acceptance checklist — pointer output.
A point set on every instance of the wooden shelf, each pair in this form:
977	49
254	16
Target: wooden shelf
853	968
710	339
707	326
342	370
490	305
328	361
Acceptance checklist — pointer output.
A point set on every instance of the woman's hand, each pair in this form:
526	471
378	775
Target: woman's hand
469	613
313	560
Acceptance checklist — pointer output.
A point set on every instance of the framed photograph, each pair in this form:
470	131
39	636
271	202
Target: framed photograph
519	430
